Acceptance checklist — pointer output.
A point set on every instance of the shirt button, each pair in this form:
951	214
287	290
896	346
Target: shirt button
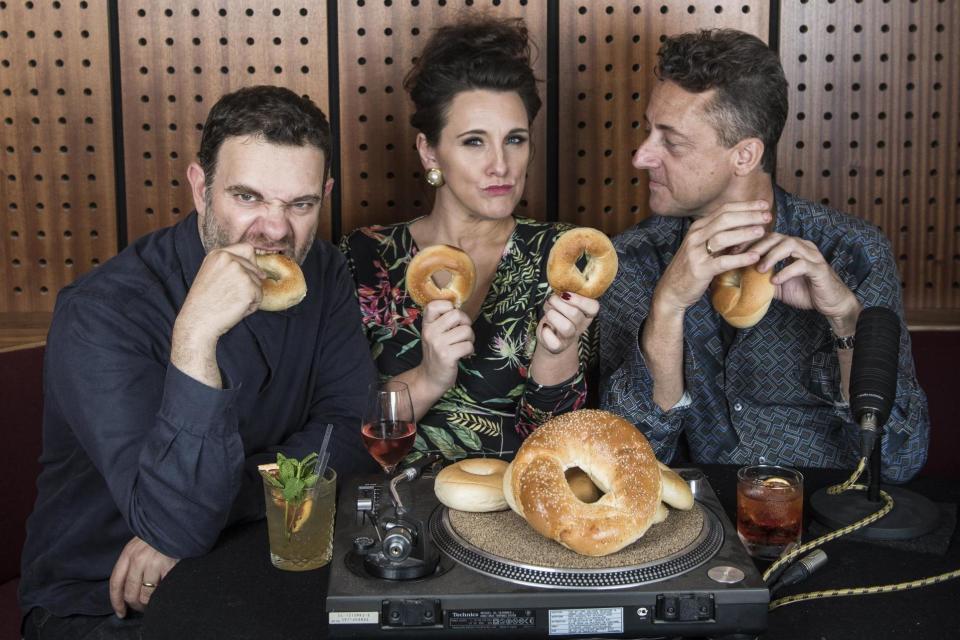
737	406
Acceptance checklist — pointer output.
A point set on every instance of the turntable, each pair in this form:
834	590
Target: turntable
405	566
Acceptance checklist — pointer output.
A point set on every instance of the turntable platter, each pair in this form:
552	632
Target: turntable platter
502	545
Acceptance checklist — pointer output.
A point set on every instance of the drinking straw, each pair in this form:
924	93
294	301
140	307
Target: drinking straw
324	456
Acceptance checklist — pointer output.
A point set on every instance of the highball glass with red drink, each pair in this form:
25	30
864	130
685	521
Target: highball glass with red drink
769	509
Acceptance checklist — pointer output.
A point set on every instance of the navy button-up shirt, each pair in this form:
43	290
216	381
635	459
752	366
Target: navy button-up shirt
134	447
775	394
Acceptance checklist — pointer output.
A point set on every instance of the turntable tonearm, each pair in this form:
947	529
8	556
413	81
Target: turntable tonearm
709	587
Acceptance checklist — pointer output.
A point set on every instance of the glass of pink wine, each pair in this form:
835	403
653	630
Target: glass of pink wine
388	429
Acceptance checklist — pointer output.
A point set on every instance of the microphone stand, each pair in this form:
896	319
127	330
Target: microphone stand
912	516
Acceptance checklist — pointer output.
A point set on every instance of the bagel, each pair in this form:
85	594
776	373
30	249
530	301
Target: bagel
563	274
441	257
473	484
675	491
742	296
284	285
618	459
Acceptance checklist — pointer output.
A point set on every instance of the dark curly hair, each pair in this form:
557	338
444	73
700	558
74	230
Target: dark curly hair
751	98
475	53
277	114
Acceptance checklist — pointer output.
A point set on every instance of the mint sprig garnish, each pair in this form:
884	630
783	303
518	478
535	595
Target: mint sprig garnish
293	477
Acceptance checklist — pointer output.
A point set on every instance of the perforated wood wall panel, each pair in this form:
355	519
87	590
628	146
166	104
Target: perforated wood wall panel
874	130
607	57
56	168
177	59
381	176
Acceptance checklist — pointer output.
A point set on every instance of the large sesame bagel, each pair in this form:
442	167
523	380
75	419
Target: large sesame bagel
284	285
441	257
474	484
563	274
742	296
616	457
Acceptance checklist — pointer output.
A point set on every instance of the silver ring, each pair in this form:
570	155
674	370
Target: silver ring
149	585
707	247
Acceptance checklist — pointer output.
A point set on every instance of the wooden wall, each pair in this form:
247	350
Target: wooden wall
102	103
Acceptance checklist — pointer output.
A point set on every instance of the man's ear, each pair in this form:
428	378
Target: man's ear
328	187
198	186
747	156
428	155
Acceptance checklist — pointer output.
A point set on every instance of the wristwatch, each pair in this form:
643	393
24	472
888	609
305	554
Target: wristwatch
843	342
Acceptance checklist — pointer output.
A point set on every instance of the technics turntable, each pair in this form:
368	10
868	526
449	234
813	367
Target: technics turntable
405	566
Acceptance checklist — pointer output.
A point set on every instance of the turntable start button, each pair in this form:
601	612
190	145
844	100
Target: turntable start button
726	574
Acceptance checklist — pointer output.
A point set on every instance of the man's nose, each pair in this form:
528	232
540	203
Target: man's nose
273	222
644	158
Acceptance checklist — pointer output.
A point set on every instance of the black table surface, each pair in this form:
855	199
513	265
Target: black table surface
234	591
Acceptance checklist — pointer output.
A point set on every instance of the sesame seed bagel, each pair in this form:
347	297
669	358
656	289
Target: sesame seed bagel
284	285
616	457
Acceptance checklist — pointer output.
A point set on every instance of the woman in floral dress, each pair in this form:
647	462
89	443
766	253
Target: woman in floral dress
483	376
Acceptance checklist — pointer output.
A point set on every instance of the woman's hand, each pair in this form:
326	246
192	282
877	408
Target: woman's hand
557	356
447	336
565	318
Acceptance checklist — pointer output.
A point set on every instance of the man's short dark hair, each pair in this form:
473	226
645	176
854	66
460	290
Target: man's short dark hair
751	90
276	114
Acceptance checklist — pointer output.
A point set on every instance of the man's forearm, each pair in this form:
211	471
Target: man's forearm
195	356
661	343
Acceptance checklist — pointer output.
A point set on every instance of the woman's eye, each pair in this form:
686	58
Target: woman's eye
473	142
516	139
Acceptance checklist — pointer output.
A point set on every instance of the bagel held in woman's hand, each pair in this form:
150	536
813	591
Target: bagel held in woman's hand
742	296
615	455
436	258
284	285
563	274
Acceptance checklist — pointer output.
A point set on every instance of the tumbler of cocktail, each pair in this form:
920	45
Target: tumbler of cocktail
769	509
300	507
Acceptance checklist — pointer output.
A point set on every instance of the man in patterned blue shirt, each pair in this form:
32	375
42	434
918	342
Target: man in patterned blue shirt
699	389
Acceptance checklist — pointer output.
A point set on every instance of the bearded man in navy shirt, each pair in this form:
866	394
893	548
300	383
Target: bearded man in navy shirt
165	385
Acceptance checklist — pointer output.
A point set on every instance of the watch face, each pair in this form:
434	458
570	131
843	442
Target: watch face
843	342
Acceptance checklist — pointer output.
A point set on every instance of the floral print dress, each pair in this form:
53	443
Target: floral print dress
494	404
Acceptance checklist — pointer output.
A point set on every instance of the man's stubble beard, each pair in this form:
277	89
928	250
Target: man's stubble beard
213	236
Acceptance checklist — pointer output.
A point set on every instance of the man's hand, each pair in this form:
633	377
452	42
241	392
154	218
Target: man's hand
226	290
808	281
701	256
136	574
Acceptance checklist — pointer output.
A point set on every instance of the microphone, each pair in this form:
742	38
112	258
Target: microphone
873	375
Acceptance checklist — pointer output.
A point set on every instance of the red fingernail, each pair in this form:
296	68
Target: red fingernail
565	295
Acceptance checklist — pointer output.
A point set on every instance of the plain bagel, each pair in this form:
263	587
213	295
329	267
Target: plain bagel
742	296
473	484
441	257
563	274
618	459
284	285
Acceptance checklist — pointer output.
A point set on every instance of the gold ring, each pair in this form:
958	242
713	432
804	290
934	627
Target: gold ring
149	585
707	247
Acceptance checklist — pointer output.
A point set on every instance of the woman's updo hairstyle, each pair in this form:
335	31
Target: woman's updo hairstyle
476	53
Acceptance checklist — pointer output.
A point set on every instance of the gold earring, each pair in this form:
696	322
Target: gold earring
434	177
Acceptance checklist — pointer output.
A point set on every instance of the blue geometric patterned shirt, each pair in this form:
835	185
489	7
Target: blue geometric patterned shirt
775	396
